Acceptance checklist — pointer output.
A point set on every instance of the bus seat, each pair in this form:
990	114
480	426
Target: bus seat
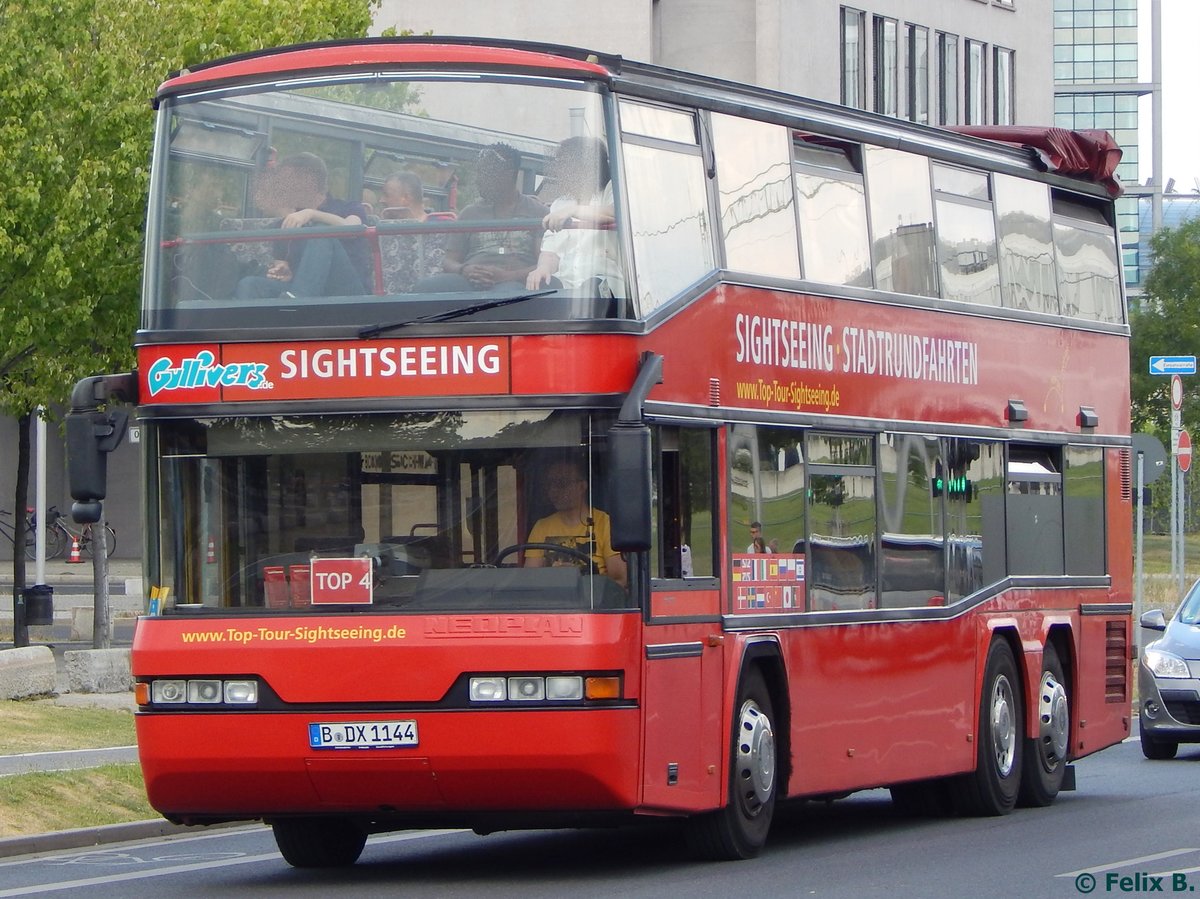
405	259
251	252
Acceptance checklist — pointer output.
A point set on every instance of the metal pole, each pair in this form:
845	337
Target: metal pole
1156	115
1179	526
1139	511
39	500
101	621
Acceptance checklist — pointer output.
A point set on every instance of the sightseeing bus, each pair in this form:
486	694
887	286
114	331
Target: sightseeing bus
456	532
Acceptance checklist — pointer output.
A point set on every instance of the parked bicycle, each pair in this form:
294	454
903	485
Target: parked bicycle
8	530
60	535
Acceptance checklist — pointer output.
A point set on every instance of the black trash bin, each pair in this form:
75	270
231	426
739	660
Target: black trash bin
39	605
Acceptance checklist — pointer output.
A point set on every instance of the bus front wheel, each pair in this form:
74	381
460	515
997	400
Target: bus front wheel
318	842
739	830
991	789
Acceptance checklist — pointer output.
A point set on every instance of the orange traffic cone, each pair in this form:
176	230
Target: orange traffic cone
212	551
76	556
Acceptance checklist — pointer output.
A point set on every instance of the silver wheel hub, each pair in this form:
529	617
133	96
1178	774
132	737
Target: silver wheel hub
1054	721
1004	726
754	772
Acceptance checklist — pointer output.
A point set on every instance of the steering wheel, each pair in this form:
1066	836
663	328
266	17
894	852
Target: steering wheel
548	547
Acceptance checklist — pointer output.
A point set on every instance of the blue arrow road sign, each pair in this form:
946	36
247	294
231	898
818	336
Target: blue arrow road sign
1172	365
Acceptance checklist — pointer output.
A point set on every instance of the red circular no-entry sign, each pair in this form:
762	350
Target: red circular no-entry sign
1185	451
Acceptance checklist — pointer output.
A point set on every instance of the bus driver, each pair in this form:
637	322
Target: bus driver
574	524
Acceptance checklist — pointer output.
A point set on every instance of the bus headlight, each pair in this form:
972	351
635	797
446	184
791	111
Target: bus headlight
564	687
489	689
241	692
526	688
168	691
543	688
206	692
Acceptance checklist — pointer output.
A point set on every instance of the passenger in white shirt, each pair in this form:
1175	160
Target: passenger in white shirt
579	250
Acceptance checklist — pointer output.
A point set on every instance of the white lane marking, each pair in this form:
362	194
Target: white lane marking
200	866
35	755
148	843
1125	863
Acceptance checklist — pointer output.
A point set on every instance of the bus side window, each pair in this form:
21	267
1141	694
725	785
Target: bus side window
685	547
668	201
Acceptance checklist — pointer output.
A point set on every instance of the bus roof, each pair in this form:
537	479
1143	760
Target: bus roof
375	52
1089	156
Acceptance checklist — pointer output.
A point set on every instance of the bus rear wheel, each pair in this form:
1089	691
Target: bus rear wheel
1045	760
991	789
739	830
318	842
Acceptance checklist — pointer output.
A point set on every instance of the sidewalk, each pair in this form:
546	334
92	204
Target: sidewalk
74	600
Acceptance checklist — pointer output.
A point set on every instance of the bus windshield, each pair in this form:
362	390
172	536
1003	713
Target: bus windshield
445	511
388	198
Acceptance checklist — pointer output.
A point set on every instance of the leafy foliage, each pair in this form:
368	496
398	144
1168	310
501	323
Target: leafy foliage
76	78
1167	323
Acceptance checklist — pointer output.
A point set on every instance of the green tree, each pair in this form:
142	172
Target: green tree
76	78
1167	322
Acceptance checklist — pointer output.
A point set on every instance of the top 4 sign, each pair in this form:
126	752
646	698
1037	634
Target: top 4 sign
1172	365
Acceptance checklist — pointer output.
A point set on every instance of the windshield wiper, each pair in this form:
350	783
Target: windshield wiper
449	315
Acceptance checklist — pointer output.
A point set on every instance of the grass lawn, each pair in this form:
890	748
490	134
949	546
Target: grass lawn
66	800
42	726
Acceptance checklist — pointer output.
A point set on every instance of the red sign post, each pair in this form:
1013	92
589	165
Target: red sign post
1185	451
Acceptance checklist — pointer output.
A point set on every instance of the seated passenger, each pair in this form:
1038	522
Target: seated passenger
295	191
583	258
402	198
574	525
405	259
492	260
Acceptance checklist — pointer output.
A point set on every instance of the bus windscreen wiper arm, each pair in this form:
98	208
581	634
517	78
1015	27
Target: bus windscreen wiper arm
376	330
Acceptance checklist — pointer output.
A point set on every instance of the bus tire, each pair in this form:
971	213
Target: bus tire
739	830
318	842
991	789
1045	760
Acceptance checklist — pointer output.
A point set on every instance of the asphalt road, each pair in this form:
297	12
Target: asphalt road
1131	819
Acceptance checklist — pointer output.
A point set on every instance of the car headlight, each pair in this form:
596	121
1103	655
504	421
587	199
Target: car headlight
1165	664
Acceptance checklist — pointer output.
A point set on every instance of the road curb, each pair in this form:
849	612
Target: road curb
87	837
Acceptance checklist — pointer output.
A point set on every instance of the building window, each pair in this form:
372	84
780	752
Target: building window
1002	89
918	74
976	83
947	50
854	57
887	72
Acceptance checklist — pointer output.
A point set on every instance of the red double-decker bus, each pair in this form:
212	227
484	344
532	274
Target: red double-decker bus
576	440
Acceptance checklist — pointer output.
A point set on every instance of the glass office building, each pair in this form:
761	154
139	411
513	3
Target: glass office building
1097	86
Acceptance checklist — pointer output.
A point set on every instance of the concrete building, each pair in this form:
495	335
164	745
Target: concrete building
954	62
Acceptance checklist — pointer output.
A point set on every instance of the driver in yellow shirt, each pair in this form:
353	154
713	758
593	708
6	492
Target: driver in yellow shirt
574	525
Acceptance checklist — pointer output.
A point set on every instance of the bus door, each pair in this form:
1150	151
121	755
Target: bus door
683	659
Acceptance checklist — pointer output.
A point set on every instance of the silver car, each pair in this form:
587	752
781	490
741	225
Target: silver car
1169	680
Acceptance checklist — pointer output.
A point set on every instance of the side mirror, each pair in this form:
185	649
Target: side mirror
1154	620
629	487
